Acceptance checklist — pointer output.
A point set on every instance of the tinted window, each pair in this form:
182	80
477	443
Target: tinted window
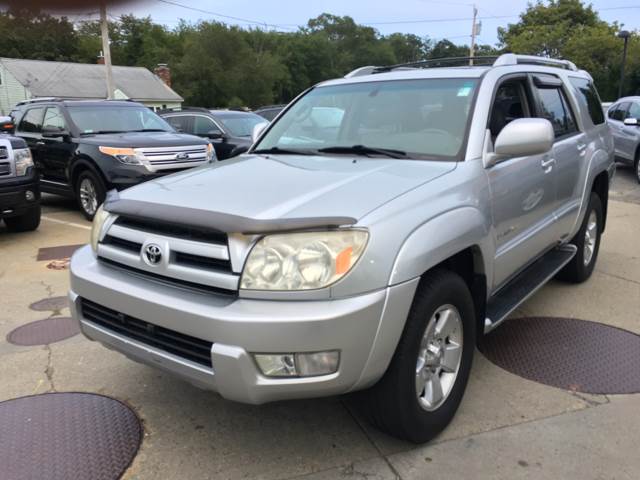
634	111
204	126
32	120
180	122
589	98
510	104
619	111
426	118
240	125
555	108
54	120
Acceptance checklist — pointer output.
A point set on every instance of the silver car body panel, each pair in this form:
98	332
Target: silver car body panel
418	214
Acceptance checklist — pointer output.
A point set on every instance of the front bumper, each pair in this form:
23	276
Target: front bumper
13	200
365	329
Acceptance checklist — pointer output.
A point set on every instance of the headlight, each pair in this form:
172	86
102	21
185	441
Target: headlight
23	161
98	221
211	153
302	261
128	156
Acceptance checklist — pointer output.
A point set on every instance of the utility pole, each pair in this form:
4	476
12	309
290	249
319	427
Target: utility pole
106	50
472	48
624	35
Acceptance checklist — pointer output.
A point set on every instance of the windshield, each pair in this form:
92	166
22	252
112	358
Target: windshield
240	125
111	118
424	118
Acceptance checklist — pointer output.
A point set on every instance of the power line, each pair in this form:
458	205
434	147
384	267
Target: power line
216	14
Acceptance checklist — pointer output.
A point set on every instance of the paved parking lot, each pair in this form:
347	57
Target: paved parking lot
507	427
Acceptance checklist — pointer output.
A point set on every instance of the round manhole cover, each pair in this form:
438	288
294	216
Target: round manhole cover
67	435
567	353
52	303
43	332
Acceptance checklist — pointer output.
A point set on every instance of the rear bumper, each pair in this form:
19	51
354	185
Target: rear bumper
365	329
13	196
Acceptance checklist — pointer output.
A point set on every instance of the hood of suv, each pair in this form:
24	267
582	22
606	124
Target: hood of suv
142	139
260	187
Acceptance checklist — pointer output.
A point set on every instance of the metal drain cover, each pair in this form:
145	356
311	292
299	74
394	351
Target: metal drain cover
51	303
62	436
567	353
43	332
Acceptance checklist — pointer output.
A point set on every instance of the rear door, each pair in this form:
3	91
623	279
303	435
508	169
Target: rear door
569	149
56	152
30	129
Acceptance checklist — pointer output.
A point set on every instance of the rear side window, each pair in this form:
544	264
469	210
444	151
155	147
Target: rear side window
555	108
588	97
204	126
180	122
32	120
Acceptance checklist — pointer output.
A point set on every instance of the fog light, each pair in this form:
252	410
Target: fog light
298	364
29	195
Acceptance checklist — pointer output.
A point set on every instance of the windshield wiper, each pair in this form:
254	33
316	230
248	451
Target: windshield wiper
286	151
364	150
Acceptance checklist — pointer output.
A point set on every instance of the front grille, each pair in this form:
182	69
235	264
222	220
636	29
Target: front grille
170	281
197	234
5	169
173	155
198	261
4	153
183	346
133	247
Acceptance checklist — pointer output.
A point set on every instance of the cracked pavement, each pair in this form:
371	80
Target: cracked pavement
507	427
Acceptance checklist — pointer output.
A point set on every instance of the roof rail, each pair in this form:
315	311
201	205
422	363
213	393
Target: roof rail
513	59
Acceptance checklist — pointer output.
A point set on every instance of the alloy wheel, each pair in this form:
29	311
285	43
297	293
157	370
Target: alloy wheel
88	196
590	238
439	357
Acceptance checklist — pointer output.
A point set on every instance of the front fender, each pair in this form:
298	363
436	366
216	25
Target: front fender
439	239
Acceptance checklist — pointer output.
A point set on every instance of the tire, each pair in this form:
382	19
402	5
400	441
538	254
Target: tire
636	166
581	266
393	404
90	193
26	222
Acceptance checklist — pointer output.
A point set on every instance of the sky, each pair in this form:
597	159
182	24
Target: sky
436	19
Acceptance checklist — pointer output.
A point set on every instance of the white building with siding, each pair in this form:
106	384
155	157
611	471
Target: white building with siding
25	79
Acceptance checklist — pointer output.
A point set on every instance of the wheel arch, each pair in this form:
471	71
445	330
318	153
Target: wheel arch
600	186
81	164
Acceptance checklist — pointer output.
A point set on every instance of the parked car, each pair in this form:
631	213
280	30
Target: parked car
624	118
269	112
19	189
228	130
369	253
84	148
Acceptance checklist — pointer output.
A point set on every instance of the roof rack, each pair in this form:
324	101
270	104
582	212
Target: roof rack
506	59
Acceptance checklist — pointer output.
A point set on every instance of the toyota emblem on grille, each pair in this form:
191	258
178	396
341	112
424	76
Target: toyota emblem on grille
153	254
182	156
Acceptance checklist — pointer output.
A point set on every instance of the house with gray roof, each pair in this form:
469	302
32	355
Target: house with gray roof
26	79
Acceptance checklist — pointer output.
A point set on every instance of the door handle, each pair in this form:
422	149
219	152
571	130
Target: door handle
547	164
582	147
40	143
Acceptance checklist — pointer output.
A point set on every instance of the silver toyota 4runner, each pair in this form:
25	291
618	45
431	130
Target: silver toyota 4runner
375	230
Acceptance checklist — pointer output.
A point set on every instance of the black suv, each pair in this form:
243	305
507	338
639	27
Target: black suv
229	130
19	192
83	148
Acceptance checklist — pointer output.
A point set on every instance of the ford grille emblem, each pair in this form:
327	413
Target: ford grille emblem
182	156
153	254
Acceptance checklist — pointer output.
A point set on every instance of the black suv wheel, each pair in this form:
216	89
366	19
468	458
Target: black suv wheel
26	222
90	193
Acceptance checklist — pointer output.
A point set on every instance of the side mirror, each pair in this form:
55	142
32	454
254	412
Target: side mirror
631	122
521	138
6	124
216	135
54	132
257	131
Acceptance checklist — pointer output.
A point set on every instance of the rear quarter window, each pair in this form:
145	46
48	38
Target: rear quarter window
589	99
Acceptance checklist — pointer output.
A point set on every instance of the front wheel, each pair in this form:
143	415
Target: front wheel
587	240
637	167
90	193
421	390
28	221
